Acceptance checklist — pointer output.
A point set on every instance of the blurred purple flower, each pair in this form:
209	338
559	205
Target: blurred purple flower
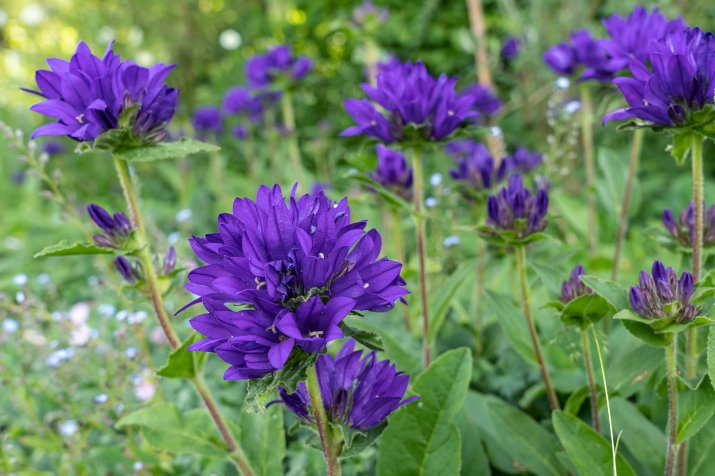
117	228
241	100
368	15
132	274
475	165
392	171
510	48
263	70
409	97
523	161
90	96
680	83
357	392
53	147
573	287
484	101
515	208
661	295
278	257
682	230
583	54
207	121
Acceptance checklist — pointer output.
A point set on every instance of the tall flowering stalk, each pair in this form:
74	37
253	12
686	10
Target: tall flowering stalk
111	104
415	109
515	217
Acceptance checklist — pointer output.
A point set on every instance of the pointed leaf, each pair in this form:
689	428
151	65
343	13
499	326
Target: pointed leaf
613	292
181	362
695	408
63	248
165	150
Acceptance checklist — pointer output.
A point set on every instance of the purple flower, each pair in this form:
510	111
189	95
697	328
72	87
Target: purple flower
631	37
132	274
240	132
680	82
169	260
682	230
484	101
475	165
573	287
517	209
53	147
583	54
409	98
561	59
523	161
117	228
291	260
367	15
510	48
264	70
242	101
661	295
207	121
89	96
357	392
393	172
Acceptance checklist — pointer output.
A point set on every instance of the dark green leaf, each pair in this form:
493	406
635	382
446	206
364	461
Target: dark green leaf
181	362
586	309
576	399
644	440
369	339
512	323
360	441
65	249
695	408
390	197
258	391
422	438
442	297
680	148
609	290
262	439
165	150
711	355
589	451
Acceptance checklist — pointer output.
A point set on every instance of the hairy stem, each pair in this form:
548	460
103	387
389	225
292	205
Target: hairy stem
289	123
526	305
672	371
591	380
329	442
627	192
400	256
587	140
131	196
697	238
418	185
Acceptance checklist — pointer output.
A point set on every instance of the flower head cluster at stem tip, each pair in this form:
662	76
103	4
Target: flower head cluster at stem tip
662	295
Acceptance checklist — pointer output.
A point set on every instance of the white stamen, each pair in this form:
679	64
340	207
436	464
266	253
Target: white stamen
450	113
366	285
315	333
80	118
259	283
321	255
272	328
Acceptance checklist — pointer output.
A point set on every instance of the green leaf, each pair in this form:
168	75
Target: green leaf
512	322
695	408
165	150
612	292
633	323
259	390
262	439
442	297
576	399
477	406
406	358
680	148
183	363
369	339
700	451
586	309
65	249
164	427
360	441
589	451
644	440
474	459
390	197
422	438
527	442
711	355
665	325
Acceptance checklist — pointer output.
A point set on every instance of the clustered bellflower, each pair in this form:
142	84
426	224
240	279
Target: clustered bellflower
117	228
679	83
357	392
582	54
484	101
297	269
510	48
240	100
661	295
409	98
392	171
573	287
515	208
523	160
277	64
90	96
682	229
475	165
207	121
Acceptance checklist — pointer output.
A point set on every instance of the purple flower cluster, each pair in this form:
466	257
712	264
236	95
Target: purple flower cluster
573	287
392	171
661	295
680	82
409	97
298	269
582	54
241	100
367	15
357	392
475	165
523	161
515	208
207	121
116	228
682	229
89	96
484	101
277	64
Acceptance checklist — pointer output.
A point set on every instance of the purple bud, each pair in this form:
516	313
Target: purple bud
124	226
125	268
686	287
102	218
169	260
637	302
104	241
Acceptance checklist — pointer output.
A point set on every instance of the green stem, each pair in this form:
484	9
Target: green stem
627	192
587	139
289	123
371	55
591	380
481	268
608	401
152	280
671	369
526	305
328	440
400	255
418	186
698	192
